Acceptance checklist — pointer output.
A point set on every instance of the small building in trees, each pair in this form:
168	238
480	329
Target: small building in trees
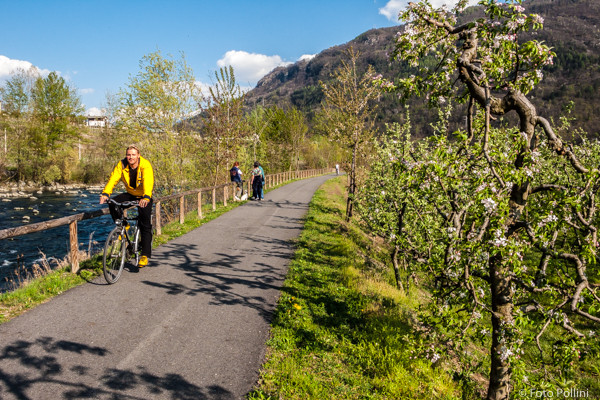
96	119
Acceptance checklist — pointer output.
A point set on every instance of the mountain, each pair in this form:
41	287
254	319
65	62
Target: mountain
572	28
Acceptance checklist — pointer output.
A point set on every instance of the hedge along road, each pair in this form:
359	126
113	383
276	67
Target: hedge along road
191	325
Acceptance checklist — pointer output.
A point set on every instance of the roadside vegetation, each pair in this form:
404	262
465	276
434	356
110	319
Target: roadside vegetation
344	330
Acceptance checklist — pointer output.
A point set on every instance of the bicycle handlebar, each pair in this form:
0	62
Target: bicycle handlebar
124	204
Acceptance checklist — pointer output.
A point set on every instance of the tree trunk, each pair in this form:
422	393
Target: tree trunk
399	284
502	323
352	187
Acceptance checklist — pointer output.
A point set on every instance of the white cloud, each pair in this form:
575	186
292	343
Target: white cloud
250	67
86	91
95	112
306	57
394	7
8	66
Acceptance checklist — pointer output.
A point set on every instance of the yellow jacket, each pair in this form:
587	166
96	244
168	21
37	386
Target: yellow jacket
144	181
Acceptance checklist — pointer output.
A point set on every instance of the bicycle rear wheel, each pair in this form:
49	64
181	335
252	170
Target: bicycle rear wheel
114	255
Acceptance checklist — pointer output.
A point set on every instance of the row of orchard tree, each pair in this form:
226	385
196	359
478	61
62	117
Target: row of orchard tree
497	220
192	137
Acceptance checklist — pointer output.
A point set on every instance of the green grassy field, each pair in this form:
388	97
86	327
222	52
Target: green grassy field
342	330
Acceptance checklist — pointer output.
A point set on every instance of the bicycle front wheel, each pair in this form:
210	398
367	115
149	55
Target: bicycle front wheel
136	237
114	255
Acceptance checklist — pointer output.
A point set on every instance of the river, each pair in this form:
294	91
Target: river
38	206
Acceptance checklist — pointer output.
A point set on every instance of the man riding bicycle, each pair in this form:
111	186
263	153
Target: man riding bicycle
137	175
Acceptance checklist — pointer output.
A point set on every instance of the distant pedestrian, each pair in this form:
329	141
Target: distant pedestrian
337	169
236	177
262	188
256	181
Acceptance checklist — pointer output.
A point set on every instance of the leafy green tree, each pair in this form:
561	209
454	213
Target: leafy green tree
348	110
285	134
225	130
297	129
277	145
55	109
16	91
153	109
257	122
56	105
512	223
386	202
15	95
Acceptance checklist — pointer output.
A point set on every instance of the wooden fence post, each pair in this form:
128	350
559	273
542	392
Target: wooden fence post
182	209
74	244
157	218
214	199
200	204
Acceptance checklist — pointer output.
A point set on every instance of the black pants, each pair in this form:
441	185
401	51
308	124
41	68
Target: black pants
256	188
144	220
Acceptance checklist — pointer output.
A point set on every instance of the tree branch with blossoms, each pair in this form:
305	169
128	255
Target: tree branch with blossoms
499	198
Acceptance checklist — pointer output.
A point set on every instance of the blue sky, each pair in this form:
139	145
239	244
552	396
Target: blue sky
97	45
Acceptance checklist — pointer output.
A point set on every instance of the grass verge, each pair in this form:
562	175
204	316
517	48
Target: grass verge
341	329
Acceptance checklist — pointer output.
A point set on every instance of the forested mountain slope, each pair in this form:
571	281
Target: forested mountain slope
572	28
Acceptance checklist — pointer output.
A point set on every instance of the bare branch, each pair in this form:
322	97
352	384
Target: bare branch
558	146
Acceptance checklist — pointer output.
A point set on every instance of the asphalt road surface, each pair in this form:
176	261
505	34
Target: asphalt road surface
191	325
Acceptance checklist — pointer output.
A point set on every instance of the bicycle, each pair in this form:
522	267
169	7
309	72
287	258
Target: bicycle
123	243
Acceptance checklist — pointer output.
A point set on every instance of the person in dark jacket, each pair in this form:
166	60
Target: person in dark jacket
236	176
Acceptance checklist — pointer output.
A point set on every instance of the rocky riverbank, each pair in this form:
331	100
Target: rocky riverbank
24	190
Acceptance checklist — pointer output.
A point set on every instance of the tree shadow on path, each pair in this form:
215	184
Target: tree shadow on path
28	368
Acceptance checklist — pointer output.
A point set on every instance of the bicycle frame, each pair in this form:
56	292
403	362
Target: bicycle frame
122	243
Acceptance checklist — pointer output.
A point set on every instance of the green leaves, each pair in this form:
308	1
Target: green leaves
152	110
460	219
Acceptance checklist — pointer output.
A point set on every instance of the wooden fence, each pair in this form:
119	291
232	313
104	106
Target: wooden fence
179	204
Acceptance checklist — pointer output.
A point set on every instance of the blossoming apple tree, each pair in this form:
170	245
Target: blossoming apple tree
503	218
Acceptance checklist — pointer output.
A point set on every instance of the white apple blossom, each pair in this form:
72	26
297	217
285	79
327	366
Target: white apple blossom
489	204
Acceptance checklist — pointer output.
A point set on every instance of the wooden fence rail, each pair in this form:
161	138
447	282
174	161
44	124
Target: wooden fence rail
179	198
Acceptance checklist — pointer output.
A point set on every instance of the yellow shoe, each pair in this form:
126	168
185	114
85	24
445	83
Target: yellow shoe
143	262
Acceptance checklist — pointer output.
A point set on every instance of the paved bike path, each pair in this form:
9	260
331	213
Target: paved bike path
191	325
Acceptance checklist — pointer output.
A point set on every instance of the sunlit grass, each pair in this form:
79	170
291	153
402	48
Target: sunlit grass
341	328
43	284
